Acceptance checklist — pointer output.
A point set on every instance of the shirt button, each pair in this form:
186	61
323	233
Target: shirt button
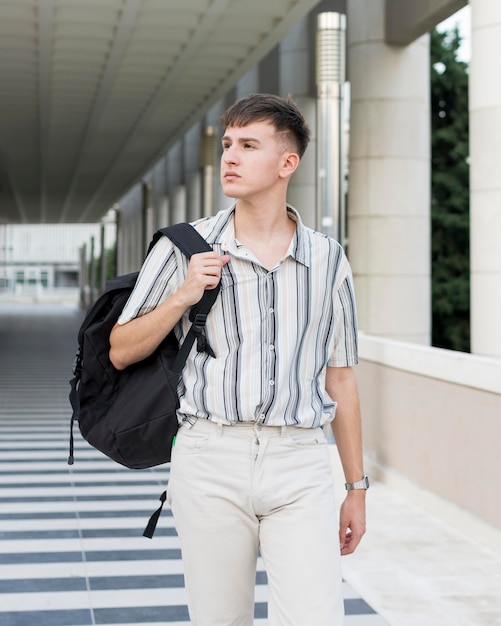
272	382
272	347
272	310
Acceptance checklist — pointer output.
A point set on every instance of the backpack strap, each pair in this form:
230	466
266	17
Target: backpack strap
190	242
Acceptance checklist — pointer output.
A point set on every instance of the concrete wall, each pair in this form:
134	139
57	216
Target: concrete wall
432	423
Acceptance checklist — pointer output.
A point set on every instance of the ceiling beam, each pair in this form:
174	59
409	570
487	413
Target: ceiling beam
45	34
406	20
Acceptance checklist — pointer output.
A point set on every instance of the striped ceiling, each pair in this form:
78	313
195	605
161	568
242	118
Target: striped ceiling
92	92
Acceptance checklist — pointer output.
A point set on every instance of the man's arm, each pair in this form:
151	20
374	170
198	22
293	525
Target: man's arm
341	386
137	339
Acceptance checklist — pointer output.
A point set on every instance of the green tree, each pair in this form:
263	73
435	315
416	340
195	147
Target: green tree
450	263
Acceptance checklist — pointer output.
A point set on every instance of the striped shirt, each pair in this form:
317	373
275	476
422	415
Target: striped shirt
273	331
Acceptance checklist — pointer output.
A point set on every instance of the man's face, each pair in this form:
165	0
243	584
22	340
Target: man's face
253	160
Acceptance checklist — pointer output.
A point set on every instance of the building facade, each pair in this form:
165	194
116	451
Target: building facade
43	259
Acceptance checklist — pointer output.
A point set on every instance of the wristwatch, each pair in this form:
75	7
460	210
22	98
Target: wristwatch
360	484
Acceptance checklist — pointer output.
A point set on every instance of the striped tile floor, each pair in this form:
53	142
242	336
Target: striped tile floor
71	546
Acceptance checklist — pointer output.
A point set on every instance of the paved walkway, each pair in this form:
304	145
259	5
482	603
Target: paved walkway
71	545
416	570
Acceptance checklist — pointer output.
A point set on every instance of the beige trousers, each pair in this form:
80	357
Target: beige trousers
237	490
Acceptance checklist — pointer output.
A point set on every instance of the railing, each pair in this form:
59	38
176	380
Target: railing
432	429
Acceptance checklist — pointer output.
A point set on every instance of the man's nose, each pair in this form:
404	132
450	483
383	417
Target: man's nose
230	156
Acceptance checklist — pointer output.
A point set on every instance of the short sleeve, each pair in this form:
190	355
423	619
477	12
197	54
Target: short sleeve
158	278
344	352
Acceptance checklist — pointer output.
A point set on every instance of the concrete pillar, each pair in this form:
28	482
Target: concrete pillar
176	188
136	239
209	150
131	253
389	177
178	204
158	181
192	172
147	213
163	212
219	200
485	177
193	195
296	52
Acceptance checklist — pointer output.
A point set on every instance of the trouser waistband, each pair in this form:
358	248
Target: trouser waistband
242	428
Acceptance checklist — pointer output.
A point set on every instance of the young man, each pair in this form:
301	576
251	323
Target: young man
250	468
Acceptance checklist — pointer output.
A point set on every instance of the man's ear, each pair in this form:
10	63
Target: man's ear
290	164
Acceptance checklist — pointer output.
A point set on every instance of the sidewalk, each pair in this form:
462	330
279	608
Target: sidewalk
415	570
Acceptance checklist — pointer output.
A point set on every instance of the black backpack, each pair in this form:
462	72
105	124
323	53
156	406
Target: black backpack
130	415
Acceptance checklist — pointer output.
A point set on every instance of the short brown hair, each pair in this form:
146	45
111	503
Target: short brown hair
281	112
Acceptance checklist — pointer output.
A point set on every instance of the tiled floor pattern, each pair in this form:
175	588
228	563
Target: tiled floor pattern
71	546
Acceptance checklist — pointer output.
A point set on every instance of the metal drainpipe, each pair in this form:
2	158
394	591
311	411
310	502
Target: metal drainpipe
330	72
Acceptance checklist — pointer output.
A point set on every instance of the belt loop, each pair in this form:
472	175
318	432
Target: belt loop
283	431
219	429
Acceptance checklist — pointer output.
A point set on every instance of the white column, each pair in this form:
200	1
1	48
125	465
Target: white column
131	253
219	200
176	188
193	195
485	177
177	202
158	179
163	212
191	174
389	177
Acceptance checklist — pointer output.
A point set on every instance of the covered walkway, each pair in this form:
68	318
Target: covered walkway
71	546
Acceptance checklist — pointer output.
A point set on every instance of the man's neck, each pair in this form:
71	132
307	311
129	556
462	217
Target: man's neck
266	231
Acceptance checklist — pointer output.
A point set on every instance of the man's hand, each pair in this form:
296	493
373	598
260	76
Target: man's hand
204	272
352	521
136	340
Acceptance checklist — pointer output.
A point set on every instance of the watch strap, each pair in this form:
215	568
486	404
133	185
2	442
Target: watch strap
360	484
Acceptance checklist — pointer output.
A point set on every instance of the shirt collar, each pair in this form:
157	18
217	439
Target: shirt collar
223	234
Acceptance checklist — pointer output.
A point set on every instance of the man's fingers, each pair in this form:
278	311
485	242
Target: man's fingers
350	543
205	268
209	261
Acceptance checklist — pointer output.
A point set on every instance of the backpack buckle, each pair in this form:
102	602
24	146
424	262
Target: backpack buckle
198	328
199	323
77	363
